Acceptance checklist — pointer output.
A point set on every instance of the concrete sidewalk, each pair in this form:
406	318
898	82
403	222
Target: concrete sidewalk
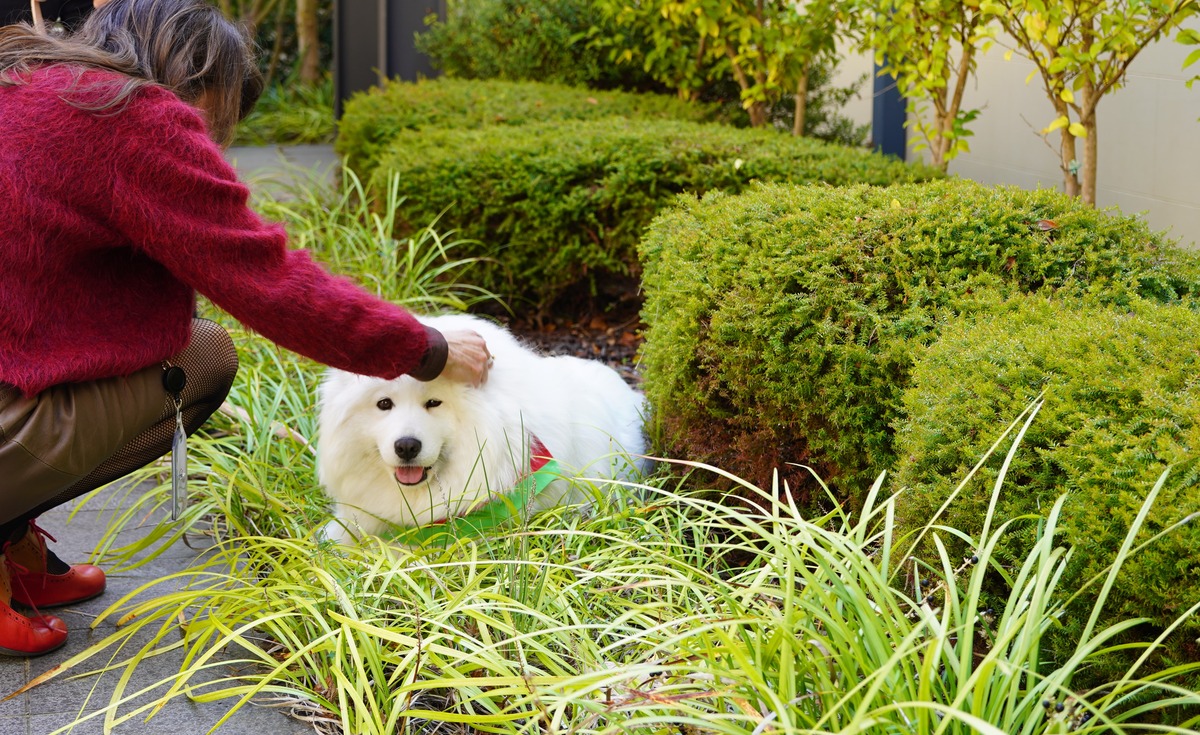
54	706
277	169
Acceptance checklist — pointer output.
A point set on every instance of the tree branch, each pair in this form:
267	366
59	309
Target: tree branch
1107	84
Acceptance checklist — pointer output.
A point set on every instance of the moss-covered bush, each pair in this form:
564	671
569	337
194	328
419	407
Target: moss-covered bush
782	323
373	119
1122	403
563	204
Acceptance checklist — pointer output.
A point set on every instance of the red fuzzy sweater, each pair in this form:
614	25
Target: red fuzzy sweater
111	221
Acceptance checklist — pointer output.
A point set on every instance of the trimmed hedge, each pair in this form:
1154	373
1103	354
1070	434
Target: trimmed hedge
782	323
1122	404
372	120
564	203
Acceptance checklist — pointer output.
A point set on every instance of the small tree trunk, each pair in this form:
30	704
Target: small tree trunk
937	153
276	47
939	146
948	106
757	110
801	103
1090	161
758	114
1067	152
1067	149
254	13
308	41
1087	118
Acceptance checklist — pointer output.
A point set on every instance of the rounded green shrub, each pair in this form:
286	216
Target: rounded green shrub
562	204
373	119
782	324
1122	404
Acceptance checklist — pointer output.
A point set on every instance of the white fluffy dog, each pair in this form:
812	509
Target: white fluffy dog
410	453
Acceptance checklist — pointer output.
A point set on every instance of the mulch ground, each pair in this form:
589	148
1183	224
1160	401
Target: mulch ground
611	335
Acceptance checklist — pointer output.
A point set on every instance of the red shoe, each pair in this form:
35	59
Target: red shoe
58	584
79	583
22	636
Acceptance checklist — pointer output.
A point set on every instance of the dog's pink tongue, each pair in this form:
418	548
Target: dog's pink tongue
409	475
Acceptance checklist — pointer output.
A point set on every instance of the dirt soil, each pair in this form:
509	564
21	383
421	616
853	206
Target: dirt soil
611	334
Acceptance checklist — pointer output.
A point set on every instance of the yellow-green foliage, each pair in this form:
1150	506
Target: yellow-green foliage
782	323
1122	404
373	119
562	203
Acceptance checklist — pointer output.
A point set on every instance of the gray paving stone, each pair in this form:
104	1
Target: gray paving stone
179	718
13	675
14	725
72	696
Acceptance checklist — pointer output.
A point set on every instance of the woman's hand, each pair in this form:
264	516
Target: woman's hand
468	359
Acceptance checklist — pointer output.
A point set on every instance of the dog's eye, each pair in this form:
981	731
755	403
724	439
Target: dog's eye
384	404
432	403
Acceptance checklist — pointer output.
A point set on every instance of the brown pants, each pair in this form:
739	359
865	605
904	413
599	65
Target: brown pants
73	438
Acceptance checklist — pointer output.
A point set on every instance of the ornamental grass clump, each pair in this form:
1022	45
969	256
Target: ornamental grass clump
1122	405
655	611
558	207
783	323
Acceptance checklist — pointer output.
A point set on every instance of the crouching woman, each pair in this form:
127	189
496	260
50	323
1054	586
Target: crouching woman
116	208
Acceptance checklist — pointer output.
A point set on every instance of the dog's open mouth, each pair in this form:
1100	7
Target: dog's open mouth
411	475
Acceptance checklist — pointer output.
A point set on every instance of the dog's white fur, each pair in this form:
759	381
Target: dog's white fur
474	442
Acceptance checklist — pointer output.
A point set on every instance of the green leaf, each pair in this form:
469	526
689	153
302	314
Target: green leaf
1061	122
1059	64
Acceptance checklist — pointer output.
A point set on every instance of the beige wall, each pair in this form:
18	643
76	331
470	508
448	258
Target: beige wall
1149	135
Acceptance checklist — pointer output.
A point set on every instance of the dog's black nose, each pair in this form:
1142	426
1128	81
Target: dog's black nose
407	448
